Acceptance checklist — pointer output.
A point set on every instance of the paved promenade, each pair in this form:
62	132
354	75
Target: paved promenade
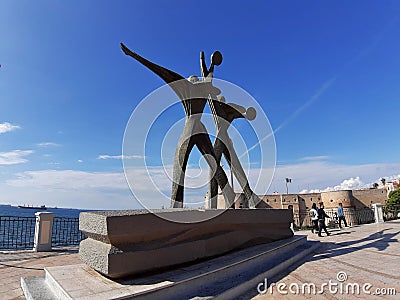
367	254
363	255
17	264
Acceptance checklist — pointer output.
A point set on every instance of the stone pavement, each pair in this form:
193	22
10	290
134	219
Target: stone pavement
361	255
367	254
25	263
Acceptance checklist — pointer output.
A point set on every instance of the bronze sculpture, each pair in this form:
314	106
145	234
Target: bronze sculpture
194	94
224	114
227	112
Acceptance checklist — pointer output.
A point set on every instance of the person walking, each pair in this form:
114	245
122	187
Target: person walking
341	216
314	218
321	219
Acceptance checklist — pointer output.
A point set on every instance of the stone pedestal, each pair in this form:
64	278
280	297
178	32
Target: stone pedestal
123	243
378	212
43	230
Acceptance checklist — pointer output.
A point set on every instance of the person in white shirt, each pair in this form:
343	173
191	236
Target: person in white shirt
314	218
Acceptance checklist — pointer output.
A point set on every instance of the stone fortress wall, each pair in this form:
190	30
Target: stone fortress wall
357	204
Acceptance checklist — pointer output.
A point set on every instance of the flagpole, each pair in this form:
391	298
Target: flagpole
287	189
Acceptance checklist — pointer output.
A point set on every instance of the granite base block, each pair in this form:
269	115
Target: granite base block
124	243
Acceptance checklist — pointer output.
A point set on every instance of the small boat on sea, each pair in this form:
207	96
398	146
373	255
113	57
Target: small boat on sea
32	207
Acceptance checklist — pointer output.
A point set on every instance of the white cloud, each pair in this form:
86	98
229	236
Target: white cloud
350	184
347	184
323	176
14	157
68	180
315	158
102	190
388	178
80	161
6	127
105	156
48	144
69	188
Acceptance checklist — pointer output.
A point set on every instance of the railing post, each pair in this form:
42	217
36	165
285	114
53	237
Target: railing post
378	212
43	230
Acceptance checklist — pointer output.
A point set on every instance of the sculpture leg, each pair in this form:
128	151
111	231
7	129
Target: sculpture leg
203	142
213	185
182	152
236	167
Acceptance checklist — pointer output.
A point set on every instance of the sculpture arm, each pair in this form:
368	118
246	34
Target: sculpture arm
203	66
238	108
167	75
178	83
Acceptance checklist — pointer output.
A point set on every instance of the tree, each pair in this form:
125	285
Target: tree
383	180
375	185
394	198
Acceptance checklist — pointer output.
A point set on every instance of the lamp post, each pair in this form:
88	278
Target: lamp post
288	180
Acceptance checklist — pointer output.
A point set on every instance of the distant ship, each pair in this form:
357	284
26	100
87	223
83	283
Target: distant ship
32	207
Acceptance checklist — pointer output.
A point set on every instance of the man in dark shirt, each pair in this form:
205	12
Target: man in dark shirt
321	219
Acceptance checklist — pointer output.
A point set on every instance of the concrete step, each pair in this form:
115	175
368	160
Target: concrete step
36	288
225	277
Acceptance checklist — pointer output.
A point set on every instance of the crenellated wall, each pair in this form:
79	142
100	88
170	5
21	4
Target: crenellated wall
356	204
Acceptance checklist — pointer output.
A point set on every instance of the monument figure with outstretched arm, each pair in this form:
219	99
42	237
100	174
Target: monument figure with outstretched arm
224	114
193	94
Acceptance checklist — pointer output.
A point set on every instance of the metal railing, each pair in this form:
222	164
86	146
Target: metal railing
18	232
353	217
364	215
66	232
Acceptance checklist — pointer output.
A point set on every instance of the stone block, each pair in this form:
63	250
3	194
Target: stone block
123	243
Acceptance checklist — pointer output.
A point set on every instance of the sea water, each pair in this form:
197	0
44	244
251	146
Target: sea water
15	211
18	234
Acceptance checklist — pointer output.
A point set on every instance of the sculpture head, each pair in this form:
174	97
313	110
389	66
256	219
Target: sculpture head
193	78
251	113
216	58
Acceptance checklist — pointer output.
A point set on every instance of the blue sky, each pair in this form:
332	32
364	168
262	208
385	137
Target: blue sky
326	74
